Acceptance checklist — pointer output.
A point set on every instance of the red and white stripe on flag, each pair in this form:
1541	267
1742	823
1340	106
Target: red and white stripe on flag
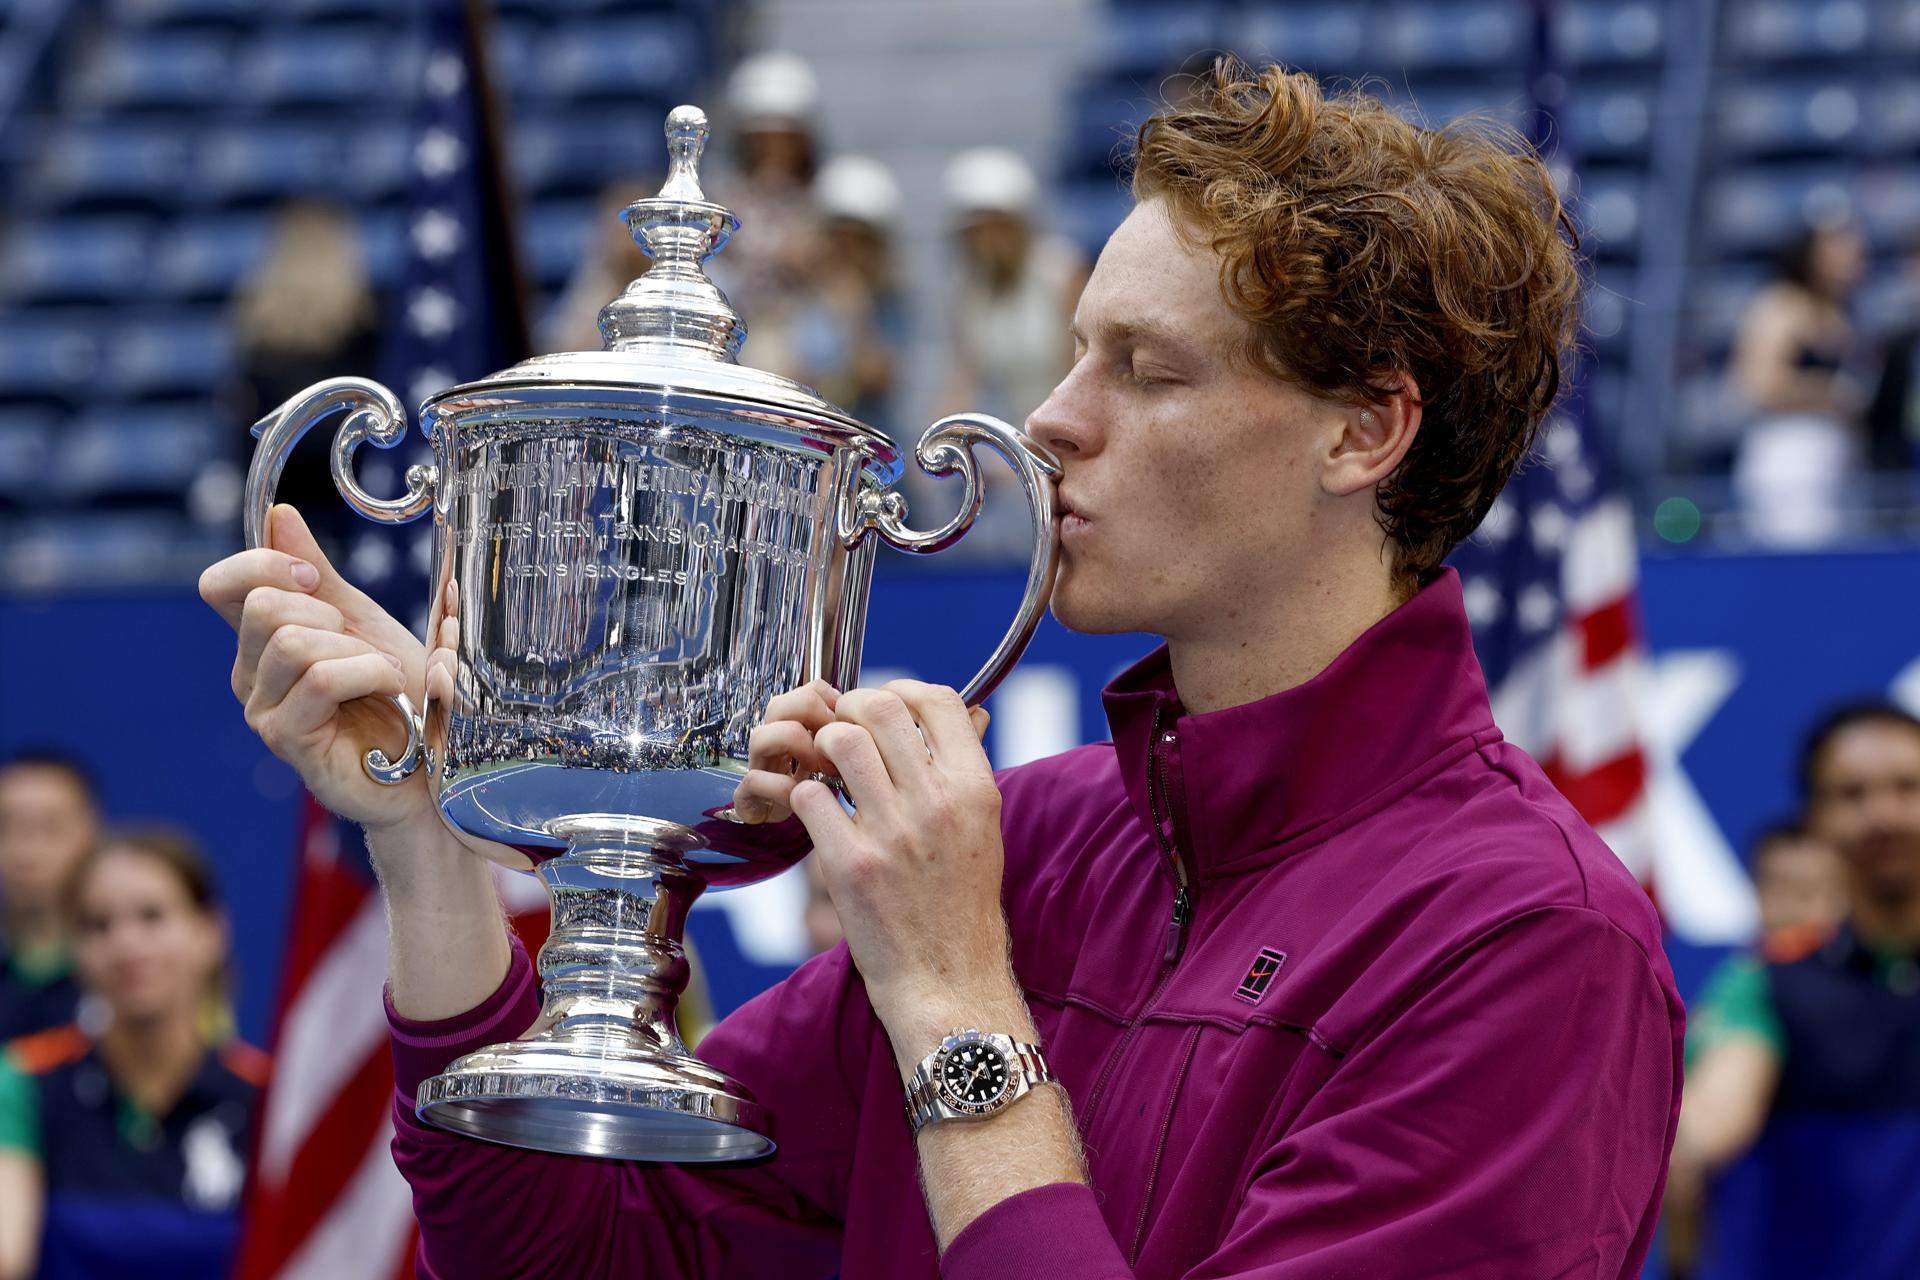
1575	703
324	1199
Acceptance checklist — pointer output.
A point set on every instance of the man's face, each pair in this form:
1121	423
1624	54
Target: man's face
1801	883
46	824
1187	471
1866	803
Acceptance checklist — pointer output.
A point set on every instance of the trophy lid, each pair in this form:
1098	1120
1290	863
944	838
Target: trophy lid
673	330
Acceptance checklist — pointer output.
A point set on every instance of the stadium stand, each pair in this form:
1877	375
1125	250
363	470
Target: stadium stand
144	142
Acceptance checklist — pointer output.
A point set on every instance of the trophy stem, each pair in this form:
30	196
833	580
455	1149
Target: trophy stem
614	965
603	1071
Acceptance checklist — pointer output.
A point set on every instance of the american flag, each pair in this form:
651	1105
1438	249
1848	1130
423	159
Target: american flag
1551	583
325	1200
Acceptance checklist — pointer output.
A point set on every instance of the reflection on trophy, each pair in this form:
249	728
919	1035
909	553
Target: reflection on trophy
634	550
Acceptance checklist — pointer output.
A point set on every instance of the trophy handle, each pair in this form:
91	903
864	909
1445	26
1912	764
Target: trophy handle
946	447
377	415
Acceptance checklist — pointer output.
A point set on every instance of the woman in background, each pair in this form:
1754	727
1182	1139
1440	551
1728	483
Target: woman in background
123	1138
307	312
1791	364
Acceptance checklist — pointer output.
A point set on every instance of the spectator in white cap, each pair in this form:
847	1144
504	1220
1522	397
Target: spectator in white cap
1013	299
1015	291
772	100
846	341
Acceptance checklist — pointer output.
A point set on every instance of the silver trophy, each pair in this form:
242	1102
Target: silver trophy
634	550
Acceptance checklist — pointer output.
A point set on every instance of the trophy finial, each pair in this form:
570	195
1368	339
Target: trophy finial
686	138
675	303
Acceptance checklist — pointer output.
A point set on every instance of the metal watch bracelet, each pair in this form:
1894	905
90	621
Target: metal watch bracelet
925	1104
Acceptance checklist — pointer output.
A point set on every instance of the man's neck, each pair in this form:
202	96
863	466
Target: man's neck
1888	922
1269	650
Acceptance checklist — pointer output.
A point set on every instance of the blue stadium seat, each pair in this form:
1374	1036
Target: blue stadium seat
1608	311
1795	30
204	259
316	11
1609	121
173	70
555	237
51	360
1888	201
1087	212
1757	210
383	242
1103	122
158	14
1609	210
75	260
654	56
106	548
170	354
1320	37
514	55
1146	42
243	164
26	454
579	155
1448	34
1788	116
1715	301
131	451
1896	29
1892	123
114	166
1501	99
380	162
1594	33
306	68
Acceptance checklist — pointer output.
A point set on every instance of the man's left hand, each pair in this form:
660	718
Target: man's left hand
915	871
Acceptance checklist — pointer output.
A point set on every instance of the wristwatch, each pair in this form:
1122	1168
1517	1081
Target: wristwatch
973	1075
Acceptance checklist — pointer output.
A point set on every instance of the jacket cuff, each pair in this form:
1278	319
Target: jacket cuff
423	1049
1053	1232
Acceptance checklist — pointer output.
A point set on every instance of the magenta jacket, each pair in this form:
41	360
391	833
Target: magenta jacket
1407	1017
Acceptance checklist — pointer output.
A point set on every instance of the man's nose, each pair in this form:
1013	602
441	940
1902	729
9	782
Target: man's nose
1064	422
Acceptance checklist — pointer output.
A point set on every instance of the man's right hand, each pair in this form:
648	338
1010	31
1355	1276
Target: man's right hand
315	656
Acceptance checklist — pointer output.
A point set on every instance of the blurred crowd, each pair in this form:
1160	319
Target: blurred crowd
815	273
1801	1112
1825	406
124	1094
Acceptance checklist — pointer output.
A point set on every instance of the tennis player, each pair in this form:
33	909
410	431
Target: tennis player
1306	973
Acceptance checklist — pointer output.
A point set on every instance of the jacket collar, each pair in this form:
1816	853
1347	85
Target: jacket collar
1244	781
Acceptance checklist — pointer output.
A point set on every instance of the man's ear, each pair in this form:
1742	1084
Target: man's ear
1371	441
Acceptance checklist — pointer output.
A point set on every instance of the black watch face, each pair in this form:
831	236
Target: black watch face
973	1076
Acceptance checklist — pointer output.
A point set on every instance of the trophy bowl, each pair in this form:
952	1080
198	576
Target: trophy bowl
634	550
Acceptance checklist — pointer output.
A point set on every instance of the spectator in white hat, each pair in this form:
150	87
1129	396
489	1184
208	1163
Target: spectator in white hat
1015	291
1013	297
772	100
847	339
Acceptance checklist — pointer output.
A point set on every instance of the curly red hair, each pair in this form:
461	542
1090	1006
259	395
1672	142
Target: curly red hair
1363	248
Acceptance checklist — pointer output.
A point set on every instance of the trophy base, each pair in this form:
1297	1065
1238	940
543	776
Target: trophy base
628	1103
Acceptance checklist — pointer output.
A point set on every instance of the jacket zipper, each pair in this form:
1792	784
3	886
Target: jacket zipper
1182	908
1158	803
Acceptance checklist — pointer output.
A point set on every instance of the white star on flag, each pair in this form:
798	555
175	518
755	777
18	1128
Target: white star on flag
436	234
433	313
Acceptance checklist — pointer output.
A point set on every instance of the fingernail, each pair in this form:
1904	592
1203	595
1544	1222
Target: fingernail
398	665
305	575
